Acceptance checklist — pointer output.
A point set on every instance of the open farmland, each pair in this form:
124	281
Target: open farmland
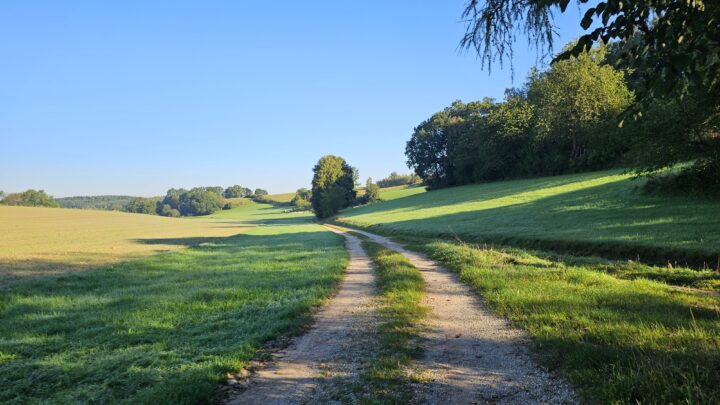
37	241
166	328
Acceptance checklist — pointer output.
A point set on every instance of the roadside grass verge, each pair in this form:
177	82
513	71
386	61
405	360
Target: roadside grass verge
163	329
619	340
387	376
598	213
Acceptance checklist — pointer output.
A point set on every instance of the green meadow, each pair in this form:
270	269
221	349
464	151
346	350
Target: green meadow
588	213
166	328
618	340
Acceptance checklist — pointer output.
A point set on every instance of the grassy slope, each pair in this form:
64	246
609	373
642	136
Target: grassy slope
165	328
590	213
37	241
281	198
393	193
620	341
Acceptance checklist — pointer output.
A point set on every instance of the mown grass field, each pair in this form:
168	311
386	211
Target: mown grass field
619	340
589	213
166	328
37	241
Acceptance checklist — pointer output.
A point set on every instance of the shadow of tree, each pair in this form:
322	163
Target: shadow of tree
165	326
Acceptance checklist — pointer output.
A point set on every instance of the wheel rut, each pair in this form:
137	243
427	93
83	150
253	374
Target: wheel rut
471	355
329	349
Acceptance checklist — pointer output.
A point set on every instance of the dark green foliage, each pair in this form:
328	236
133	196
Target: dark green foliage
563	120
168	211
301	200
171	200
197	201
99	202
672	128
395	179
260	192
670	49
200	201
141	205
682	35
333	186
236	192
29	198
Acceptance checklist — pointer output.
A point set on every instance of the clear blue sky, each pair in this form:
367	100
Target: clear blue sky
135	97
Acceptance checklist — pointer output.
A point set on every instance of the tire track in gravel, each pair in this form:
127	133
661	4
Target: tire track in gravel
471	355
326	350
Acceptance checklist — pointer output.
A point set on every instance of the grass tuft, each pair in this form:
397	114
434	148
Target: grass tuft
387	377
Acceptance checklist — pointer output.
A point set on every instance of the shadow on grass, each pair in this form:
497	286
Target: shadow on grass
619	340
610	220
166	326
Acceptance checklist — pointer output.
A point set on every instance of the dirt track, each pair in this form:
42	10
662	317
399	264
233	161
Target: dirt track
325	351
471	355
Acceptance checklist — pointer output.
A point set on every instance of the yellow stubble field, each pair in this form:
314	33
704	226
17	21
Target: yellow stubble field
38	241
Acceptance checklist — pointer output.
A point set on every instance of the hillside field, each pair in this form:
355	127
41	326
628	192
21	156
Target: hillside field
163	328
588	213
37	241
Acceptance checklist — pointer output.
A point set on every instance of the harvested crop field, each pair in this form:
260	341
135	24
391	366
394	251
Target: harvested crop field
44	241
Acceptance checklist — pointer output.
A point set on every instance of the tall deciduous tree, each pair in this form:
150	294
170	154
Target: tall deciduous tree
333	186
578	101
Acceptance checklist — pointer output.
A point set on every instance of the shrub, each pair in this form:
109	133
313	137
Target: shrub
301	200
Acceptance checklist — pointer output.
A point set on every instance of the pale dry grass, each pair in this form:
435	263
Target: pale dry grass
44	241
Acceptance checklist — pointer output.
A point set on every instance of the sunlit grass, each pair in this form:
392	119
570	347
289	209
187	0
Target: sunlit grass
619	340
36	241
598	212
166	328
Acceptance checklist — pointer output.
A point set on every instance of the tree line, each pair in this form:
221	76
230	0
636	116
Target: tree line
29	198
572	117
667	52
193	202
560	120
175	203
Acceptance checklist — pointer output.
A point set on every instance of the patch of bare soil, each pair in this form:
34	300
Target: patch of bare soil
331	349
471	355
